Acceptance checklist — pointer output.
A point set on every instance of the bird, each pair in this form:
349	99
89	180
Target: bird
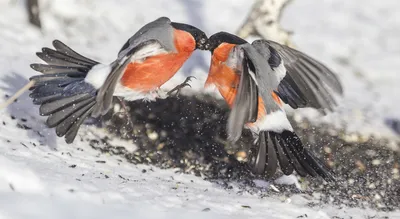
256	80
73	87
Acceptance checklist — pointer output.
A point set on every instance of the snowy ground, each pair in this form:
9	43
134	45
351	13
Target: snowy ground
78	182
359	40
356	38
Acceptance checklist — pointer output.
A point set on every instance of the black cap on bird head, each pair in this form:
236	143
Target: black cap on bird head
199	36
222	37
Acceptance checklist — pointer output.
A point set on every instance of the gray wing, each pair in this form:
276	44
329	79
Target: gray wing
256	79
155	37
105	93
245	105
307	83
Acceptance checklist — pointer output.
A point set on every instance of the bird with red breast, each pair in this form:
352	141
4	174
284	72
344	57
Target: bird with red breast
256	80
73	87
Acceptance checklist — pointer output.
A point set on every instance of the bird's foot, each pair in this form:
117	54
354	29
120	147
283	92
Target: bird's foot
125	113
178	88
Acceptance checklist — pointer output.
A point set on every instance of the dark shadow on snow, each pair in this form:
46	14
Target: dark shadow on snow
26	112
393	124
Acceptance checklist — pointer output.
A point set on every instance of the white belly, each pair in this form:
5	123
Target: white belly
131	95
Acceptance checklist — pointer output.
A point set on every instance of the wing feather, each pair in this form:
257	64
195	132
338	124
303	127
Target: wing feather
308	83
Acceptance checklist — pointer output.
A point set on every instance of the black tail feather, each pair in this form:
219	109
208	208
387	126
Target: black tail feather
65	125
286	149
68	111
293	162
45	90
67	58
61	91
73	130
284	161
62	48
57	62
51	69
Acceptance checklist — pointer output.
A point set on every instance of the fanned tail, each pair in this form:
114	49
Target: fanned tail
61	90
286	149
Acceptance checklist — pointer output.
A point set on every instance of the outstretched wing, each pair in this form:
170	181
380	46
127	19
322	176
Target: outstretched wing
257	79
307	83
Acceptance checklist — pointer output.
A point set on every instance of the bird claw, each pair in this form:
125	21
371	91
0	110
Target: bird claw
178	88
125	113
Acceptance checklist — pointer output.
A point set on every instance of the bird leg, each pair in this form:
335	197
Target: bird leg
178	88
126	112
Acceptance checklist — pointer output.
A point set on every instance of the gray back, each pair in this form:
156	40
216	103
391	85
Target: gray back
160	30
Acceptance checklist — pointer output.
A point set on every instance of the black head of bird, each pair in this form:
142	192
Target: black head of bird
222	37
199	36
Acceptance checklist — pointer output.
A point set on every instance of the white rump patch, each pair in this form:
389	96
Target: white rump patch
276	122
280	71
98	75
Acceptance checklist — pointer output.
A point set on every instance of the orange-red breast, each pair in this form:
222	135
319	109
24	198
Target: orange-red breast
256	80
73	87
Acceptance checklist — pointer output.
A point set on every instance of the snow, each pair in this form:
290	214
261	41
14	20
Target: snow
359	40
42	182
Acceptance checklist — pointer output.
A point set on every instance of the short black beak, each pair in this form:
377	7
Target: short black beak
207	46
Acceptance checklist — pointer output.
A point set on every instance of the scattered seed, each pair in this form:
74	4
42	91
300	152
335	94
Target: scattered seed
376	162
23	126
360	165
328	150
153	136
